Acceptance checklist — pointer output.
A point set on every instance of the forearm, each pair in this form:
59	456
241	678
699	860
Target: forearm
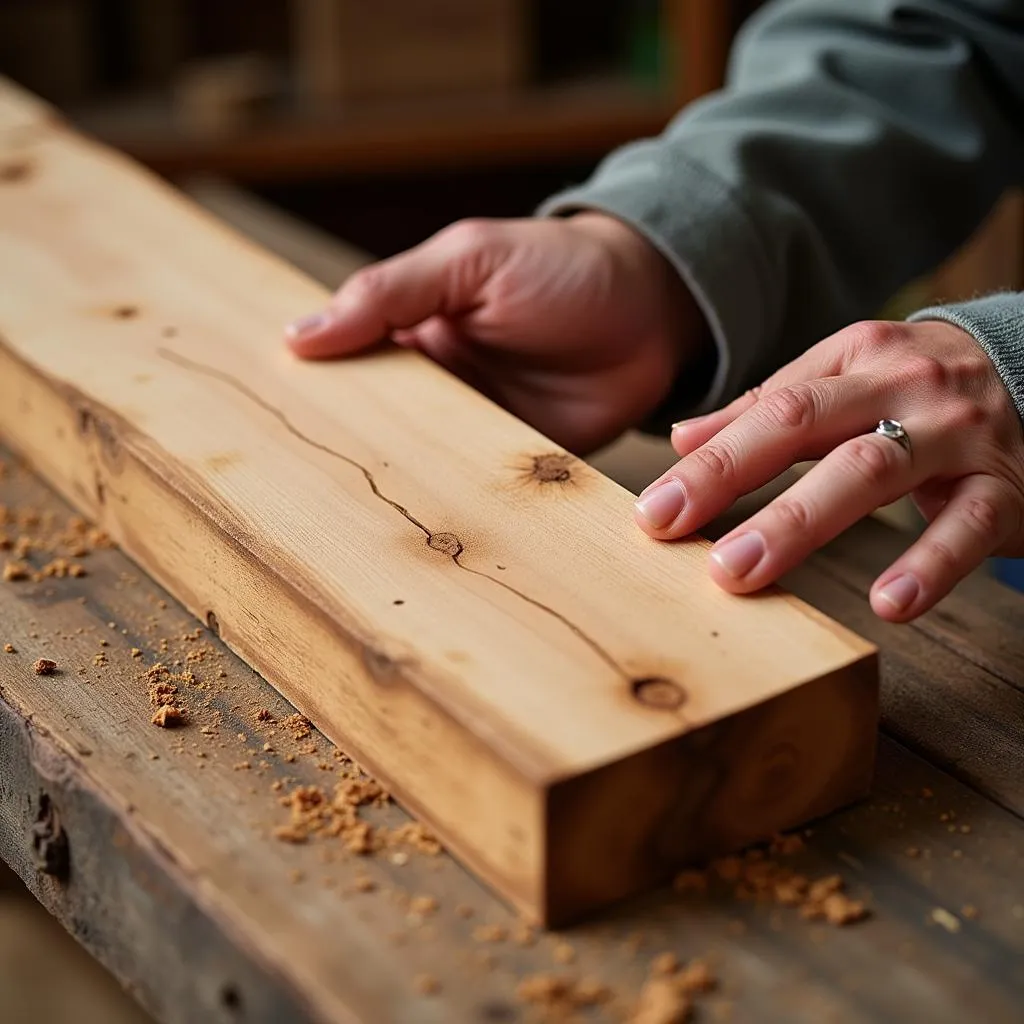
856	145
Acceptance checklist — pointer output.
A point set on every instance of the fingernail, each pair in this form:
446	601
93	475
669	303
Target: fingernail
740	554
901	592
661	503
306	325
688	423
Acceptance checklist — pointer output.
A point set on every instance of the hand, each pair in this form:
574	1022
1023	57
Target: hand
577	326
965	470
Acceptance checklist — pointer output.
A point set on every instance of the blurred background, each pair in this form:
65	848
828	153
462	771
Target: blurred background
336	131
379	121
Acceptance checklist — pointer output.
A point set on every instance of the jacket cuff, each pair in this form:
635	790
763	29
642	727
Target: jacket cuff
690	215
996	323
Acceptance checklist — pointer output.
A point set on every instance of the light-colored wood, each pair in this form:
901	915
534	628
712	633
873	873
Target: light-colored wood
496	639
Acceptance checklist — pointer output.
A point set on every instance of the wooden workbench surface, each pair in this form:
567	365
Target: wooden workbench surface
156	847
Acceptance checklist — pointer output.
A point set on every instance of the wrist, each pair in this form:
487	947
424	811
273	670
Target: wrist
682	328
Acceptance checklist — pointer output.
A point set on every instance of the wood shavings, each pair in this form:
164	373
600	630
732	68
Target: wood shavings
426	984
524	935
945	919
14	571
757	877
563	953
661	1002
559	996
423	905
44	667
667	995
168	717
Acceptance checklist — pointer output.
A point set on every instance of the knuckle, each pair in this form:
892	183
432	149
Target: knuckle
717	461
468	234
921	369
793	408
876	335
939	554
871	462
982	516
795	515
368	285
965	414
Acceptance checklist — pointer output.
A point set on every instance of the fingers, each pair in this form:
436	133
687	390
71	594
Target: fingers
688	435
789	425
826	359
851	482
441	277
977	519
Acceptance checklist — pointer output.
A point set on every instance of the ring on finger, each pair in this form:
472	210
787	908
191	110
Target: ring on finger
893	430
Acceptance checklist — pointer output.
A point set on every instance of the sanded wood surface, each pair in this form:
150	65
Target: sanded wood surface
173	877
470	610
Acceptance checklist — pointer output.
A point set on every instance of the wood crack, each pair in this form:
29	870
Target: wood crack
446	543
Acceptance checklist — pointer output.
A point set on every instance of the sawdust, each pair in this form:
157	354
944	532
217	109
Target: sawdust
563	954
560	997
758	876
426	984
10	649
168	717
667	996
44	667
490	933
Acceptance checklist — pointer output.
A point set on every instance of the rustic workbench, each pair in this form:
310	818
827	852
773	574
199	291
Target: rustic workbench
156	847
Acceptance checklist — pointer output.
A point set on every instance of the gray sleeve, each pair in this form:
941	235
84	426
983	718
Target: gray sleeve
856	145
997	324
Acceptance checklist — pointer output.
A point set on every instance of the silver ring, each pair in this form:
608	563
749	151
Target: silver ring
893	430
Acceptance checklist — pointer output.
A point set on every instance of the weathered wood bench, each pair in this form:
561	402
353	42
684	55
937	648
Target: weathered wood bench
156	848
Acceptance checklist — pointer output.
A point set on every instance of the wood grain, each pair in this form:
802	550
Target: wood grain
176	883
467	608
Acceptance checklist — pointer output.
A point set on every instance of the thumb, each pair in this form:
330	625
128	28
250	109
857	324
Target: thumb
443	276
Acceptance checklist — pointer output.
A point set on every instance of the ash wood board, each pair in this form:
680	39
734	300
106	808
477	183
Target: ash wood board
467	609
175	882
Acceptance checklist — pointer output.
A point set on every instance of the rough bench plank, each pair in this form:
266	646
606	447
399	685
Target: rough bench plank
174	880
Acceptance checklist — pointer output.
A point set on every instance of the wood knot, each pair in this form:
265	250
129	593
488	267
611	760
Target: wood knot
50	842
15	171
552	468
125	312
447	543
658	692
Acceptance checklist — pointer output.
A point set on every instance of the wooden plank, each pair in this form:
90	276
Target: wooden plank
175	882
426	577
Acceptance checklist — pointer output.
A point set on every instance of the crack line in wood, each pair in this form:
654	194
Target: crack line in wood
451	539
